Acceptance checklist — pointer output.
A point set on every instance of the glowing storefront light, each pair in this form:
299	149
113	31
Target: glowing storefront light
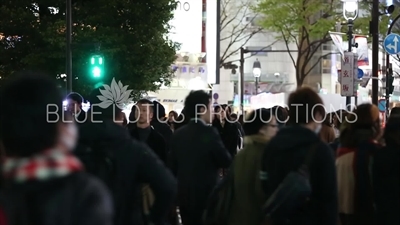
187	25
211	40
197	84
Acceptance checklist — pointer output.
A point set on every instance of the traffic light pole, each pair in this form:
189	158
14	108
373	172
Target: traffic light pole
389	71
350	46
68	45
374	30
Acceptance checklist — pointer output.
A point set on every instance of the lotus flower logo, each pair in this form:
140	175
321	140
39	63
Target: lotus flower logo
116	93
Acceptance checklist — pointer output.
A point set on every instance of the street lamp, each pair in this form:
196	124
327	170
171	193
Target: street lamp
68	18
350	13
256	72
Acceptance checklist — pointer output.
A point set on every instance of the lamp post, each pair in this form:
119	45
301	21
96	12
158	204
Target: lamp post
241	68
350	13
256	73
68	64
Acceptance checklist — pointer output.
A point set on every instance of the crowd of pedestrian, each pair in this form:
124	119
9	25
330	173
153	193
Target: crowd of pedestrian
204	166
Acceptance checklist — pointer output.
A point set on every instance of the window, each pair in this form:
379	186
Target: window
326	63
259	48
327	57
326	70
253	20
326	47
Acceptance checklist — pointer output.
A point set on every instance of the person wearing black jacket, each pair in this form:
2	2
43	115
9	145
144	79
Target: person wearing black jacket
227	129
288	150
158	122
142	131
135	164
386	175
74	106
42	182
197	153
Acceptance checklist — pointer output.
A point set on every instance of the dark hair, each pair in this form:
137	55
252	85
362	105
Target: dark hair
158	110
258	119
392	131
280	113
195	101
25	124
328	120
76	97
174	113
304	104
226	108
145	102
365	127
182	118
395	111
341	116
99	113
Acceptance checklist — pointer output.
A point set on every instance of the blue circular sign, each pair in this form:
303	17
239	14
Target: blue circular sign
382	105
391	44
215	96
360	73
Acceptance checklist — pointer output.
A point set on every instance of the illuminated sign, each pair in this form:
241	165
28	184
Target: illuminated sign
186	26
170	100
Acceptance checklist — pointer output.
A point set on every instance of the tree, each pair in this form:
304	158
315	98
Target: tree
304	23
131	35
238	26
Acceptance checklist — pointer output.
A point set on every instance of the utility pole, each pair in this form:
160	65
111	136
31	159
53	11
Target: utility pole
218	44
68	54
374	30
350	46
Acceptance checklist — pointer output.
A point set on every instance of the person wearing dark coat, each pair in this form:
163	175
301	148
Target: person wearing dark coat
42	182
386	175
227	129
287	151
196	156
135	165
142	130
159	123
74	106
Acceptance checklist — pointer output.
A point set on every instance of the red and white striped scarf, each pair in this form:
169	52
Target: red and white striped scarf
46	165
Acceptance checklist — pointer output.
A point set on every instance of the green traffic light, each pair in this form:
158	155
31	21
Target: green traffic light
96	67
96	71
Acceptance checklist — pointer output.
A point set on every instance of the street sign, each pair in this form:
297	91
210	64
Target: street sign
391	44
382	105
347	75
360	73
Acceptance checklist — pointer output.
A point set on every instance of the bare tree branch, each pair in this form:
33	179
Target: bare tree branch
317	62
261	49
287	43
237	21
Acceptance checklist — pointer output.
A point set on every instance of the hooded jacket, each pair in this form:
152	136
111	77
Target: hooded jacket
286	152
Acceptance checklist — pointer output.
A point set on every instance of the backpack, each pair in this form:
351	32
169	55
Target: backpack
220	201
291	194
98	160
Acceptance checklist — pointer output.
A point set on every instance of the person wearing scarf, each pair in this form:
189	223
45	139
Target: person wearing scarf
358	142
42	182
